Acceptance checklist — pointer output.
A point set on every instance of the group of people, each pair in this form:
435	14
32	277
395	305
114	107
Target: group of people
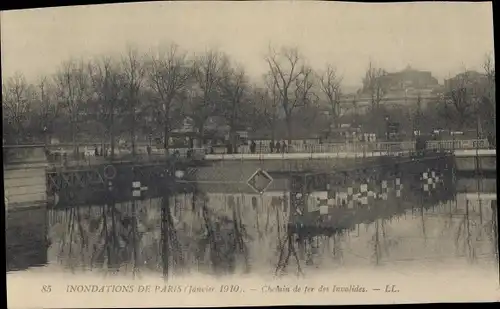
278	147
99	151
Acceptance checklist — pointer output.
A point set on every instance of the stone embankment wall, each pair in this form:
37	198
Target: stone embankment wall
24	178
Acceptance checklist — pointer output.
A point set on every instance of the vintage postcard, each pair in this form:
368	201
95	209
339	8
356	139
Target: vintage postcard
249	153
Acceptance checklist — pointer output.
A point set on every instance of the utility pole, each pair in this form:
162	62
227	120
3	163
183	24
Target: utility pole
112	129
386	128
133	126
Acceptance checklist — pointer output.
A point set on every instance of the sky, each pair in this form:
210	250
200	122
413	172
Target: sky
439	37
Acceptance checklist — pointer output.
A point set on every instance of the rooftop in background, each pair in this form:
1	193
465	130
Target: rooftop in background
466	78
409	79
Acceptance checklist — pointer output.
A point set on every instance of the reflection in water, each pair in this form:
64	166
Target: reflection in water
151	235
222	233
26	238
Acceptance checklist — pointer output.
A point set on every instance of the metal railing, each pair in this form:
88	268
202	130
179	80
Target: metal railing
355	147
335	148
459	144
369	146
156	155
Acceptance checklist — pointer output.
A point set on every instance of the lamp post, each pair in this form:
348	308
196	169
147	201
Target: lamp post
387	128
45	135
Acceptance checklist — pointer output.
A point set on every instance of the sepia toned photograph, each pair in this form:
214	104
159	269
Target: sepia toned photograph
182	153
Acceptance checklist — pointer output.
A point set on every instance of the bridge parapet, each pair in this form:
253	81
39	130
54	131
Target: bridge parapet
23	155
64	155
478	160
303	156
60	154
354	147
370	146
458	144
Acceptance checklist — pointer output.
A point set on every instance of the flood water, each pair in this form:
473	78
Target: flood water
227	233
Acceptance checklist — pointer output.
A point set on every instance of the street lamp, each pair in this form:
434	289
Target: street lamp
44	131
387	128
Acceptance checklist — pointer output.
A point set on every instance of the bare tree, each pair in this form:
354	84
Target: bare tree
17	99
489	71
489	97
48	107
233	86
329	84
293	79
265	107
461	99
134	73
168	76
374	86
107	82
207	73
489	68
373	83
354	104
73	85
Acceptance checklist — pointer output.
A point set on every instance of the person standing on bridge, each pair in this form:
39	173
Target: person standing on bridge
253	147
271	146
278	147
283	147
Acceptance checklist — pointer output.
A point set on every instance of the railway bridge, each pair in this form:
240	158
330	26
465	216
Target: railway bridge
34	176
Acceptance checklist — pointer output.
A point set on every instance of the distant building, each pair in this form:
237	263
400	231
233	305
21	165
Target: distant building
405	87
409	79
467	78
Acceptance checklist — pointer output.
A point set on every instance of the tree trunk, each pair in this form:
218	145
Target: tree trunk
289	128
112	144
166	128
73	138
112	131
232	138
331	124
132	131
201	131
132	136
166	137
